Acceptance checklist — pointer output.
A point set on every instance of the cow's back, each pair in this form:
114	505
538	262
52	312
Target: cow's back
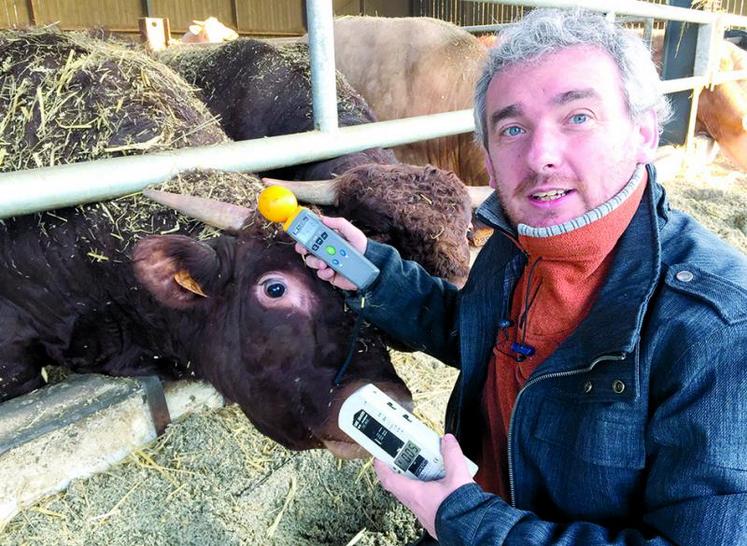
408	67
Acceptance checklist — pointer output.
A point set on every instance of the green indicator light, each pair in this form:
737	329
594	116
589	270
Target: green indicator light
330	250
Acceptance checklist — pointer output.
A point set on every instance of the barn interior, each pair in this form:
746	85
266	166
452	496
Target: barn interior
210	477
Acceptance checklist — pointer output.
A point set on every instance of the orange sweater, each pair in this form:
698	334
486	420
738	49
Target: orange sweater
565	272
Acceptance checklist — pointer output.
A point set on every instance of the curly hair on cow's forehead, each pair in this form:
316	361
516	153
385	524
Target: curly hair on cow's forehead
545	31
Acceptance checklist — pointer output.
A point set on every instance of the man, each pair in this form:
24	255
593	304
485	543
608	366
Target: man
601	337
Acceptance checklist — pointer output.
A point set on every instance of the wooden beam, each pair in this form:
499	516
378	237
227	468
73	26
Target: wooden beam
155	32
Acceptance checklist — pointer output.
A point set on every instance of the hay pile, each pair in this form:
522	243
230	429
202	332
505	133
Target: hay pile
716	195
213	479
68	97
71	97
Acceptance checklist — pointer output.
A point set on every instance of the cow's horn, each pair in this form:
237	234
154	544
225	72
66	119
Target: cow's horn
478	194
215	213
317	192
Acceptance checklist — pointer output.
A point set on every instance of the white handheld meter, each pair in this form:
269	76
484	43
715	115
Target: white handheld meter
394	435
278	204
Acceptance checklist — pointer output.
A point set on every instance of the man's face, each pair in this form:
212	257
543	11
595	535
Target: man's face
560	138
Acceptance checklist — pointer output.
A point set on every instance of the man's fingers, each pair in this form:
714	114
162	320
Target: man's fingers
390	480
325	274
348	232
454	461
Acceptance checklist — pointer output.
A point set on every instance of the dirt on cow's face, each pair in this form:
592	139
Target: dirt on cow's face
276	342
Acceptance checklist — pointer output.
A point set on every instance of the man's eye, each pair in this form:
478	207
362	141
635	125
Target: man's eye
578	119
512	131
275	289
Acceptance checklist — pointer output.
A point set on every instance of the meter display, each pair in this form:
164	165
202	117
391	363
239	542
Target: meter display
391	433
278	204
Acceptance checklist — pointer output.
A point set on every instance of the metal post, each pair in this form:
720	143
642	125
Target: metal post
322	53
678	57
648	33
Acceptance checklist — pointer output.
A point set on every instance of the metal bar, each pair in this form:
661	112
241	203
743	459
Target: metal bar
47	188
484	28
322	54
722	77
693	116
148	7
628	7
682	84
648	32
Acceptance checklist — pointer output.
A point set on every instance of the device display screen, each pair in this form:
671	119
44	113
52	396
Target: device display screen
377	432
304	229
407	456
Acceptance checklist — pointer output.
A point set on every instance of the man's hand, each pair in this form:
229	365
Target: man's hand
424	498
347	231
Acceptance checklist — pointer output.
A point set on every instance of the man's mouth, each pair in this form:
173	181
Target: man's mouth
550	195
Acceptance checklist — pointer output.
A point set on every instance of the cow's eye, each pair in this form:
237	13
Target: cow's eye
275	289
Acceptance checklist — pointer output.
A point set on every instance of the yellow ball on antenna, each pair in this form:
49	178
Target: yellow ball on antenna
277	203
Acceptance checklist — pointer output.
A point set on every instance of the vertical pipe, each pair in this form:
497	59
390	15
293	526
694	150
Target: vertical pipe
648	32
322	53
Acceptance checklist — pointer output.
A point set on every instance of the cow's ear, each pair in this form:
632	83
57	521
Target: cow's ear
176	269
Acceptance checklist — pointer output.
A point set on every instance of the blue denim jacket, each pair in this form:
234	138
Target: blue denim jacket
634	431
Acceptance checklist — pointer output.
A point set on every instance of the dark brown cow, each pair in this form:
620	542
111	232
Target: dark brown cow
83	287
240	311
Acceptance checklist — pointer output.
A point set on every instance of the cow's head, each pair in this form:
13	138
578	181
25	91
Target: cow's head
424	212
268	334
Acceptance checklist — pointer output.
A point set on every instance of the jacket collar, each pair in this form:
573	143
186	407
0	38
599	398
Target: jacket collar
615	320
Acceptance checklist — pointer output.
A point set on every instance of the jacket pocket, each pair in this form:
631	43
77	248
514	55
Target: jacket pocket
599	434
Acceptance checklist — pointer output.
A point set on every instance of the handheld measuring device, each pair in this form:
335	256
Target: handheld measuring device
394	435
278	204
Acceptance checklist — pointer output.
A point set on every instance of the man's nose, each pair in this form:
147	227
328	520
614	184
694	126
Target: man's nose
545	150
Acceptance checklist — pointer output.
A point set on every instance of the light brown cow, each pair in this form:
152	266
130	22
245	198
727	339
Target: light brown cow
412	66
209	31
723	110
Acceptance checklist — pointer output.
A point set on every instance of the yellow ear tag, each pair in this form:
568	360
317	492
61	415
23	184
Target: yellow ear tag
185	280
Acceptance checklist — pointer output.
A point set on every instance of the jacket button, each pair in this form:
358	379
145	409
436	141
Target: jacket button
618	386
684	276
587	387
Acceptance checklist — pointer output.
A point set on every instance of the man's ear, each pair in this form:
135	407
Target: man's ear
175	269
489	169
648	136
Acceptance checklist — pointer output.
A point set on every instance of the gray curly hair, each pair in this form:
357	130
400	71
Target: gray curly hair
545	31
